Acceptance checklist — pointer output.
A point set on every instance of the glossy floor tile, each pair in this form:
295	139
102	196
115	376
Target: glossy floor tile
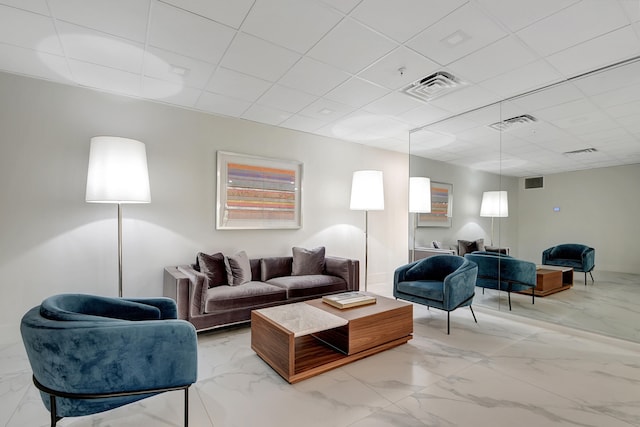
506	370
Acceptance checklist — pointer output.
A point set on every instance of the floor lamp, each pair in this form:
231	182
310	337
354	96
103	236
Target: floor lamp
494	205
117	174
367	194
419	202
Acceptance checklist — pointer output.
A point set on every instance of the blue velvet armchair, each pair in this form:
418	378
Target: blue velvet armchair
90	354
581	258
445	282
504	273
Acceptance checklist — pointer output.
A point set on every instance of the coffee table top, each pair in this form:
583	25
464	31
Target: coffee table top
301	318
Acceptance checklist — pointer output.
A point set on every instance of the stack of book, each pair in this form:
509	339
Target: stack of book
348	299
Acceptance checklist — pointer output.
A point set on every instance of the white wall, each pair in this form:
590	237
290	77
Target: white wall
598	207
468	186
53	242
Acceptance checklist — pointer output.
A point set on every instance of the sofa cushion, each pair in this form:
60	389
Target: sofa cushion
308	261
275	267
214	268
239	269
468	246
310	285
249	294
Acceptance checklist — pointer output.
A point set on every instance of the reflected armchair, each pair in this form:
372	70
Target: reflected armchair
445	282
579	257
90	354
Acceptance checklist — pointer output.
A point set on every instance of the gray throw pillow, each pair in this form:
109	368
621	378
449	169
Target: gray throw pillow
238	269
307	261
214	268
467	246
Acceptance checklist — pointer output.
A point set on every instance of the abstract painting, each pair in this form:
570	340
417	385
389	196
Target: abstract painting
441	206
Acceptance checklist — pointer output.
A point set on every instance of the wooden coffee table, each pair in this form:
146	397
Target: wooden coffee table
551	279
304	339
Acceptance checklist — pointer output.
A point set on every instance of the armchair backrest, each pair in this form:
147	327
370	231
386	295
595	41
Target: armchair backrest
78	307
436	267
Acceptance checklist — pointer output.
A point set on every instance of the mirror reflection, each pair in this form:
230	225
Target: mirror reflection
564	164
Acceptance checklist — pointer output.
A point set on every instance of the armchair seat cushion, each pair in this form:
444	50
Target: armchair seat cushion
575	263
427	289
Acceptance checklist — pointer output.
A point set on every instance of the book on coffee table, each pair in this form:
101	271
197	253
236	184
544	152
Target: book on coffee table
348	299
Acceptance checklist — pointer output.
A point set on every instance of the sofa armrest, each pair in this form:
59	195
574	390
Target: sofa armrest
186	286
347	269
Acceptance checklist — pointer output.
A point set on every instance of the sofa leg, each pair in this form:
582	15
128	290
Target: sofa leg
473	314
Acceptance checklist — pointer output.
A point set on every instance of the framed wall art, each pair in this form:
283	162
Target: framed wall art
441	206
257	192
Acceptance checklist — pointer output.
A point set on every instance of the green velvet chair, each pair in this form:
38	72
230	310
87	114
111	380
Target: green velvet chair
445	282
90	354
580	257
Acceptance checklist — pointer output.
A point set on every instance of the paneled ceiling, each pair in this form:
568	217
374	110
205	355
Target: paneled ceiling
338	67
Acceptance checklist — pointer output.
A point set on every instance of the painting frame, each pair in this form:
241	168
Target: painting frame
257	193
441	214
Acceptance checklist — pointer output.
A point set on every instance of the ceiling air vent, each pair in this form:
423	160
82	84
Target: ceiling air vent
513	122
433	86
534	182
580	152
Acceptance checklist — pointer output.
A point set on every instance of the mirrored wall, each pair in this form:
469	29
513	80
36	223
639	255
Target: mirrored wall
567	160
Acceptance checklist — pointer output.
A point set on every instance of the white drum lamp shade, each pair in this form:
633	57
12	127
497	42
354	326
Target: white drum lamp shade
117	171
367	191
494	204
419	194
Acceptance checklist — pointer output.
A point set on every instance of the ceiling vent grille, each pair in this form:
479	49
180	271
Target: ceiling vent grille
513	122
533	182
433	86
580	152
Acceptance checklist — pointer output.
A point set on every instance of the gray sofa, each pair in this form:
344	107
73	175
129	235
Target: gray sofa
272	283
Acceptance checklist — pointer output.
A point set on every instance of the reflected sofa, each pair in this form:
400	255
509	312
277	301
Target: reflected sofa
445	282
90	354
504	273
581	258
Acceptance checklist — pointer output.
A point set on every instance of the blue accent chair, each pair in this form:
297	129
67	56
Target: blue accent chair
504	273
445	282
90	353
581	258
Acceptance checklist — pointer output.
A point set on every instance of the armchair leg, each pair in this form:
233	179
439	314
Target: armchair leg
186	407
473	314
590	274
448	323
509	298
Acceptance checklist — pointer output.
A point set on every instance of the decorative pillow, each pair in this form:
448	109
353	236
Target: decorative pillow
238	269
214	268
436	244
307	261
467	246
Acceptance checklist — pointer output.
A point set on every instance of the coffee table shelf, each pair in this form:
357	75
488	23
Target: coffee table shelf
347	335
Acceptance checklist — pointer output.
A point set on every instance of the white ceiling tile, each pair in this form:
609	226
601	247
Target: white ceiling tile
43	65
351	47
471	24
188	34
169	92
326	110
563	111
344	6
632	8
285	99
465	99
105	78
258	58
220	104
403	19
302	123
99	48
311	76
356	92
386	72
617	98
393	104
37	6
549	97
423	115
294	24
613	79
498	58
521	80
226	12
519	14
624	110
604	50
122	18
361	126
167	66
270	116
238	85
575	24
29	30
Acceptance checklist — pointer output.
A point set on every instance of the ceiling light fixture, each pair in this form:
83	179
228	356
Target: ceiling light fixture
433	86
178	70
513	122
456	38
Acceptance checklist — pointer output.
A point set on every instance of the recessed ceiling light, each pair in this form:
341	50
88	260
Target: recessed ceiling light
456	38
325	111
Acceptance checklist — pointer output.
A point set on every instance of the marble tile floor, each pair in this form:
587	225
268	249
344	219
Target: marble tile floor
504	371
